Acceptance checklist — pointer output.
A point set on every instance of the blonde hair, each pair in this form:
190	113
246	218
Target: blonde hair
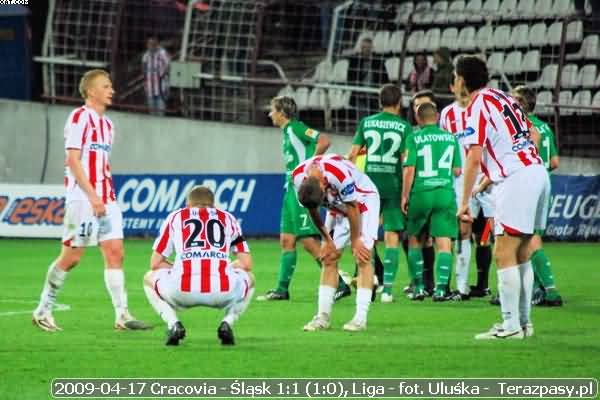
88	78
201	196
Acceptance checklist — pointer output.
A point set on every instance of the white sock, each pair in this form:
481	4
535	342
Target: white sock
115	284
55	279
326	294
526	271
164	310
234	312
509	289
363	300
463	260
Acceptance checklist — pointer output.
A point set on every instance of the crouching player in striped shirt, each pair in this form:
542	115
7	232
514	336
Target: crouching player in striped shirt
202	274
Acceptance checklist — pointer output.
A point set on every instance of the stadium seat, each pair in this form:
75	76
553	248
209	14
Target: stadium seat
449	38
596	101
323	72
456	11
569	78
391	67
380	42
587	75
339	99
526	9
440	12
494	83
575	32
340	71
563	8
543	99
589	50
317	99
395	43
532	61
403	11
301	97
495	63
508	9
484	37
432	39
415	41
421	13
543	8
490	7
565	97
502	37
548	77
466	39
473	11
519	36
513	63
287	91
582	98
407	67
537	35
555	34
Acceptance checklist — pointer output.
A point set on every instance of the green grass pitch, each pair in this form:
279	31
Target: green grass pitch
404	339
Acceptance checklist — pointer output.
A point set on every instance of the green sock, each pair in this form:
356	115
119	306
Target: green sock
286	270
390	268
542	268
443	268
415	267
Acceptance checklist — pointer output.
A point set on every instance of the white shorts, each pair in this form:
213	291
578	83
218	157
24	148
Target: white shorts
522	201
483	201
167	284
82	229
369	221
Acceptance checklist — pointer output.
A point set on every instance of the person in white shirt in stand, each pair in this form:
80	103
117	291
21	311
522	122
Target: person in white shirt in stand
92	215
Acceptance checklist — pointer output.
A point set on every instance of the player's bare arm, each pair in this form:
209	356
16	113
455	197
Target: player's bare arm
471	171
323	144
74	163
359	250
354	150
554	162
408	176
482	186
536	137
158	261
328	249
243	261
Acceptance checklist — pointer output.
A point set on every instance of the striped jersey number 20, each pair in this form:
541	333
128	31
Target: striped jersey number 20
445	161
373	149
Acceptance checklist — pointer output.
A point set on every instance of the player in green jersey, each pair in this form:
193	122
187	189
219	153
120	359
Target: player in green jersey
299	143
545	293
432	160
383	134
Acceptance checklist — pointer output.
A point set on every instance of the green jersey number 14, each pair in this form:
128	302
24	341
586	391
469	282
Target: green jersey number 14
445	161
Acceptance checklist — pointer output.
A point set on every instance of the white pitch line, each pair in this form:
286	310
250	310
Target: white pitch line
57	307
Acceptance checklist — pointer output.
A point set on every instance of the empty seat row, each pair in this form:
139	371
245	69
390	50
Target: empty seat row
578	102
317	98
571	76
514	62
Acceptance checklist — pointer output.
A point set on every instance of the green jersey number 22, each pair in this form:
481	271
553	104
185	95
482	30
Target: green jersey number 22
445	161
388	157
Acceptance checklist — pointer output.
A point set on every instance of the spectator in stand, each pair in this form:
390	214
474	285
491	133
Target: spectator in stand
443	76
155	64
366	70
421	76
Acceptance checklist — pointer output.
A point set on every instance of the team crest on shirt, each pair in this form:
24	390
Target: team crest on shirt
468	132
348	190
311	133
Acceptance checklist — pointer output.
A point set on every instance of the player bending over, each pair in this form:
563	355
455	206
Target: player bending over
92	214
202	237
353	215
432	161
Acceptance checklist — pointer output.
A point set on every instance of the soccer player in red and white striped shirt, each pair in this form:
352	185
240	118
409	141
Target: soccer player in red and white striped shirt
353	203
202	238
497	123
92	215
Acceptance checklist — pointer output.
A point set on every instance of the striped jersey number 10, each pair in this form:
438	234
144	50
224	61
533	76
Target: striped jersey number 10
445	161
373	150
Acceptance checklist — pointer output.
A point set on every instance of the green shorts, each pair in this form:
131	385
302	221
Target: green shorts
436	208
393	218
295	219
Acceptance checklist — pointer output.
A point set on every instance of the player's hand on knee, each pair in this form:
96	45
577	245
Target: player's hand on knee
360	251
328	252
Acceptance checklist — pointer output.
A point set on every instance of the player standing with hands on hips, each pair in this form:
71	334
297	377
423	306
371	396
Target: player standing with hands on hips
499	137
92	215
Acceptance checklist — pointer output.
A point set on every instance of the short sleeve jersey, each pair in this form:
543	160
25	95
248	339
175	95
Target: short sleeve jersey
497	122
384	135
434	153
547	143
299	144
